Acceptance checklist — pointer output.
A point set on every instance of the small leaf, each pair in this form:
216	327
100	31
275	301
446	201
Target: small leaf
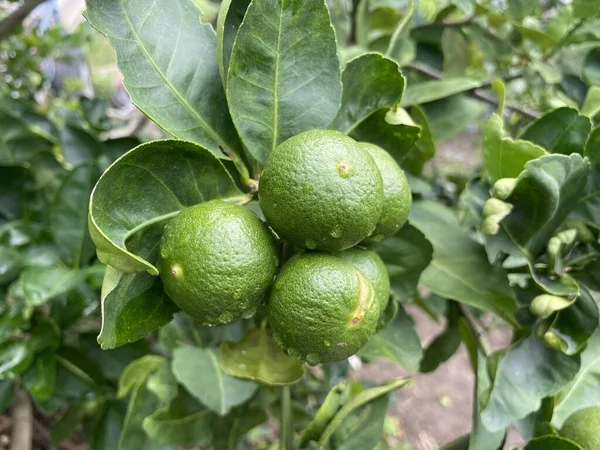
524	374
584	390
154	182
137	372
217	391
591	105
552	442
370	82
335	399
397	342
68	216
406	255
257	357
428	91
546	191
471	279
562	130
230	17
360	400
283	78
154	42
505	157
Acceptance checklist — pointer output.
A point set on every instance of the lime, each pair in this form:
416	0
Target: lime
583	427
321	190
371	265
321	308
217	261
396	191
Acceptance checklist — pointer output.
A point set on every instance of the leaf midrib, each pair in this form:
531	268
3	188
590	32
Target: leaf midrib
276	82
177	94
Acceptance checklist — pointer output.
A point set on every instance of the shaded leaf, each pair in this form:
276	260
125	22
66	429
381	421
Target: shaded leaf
78	146
217	391
182	94
455	49
228	430
445	344
429	91
591	66
424	149
7	390
229	19
370	82
588	206
283	78
259	358
470	279
40	378
451	115
137	372
148	185
15	358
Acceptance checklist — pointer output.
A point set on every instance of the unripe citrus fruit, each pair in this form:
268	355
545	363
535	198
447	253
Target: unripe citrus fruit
583	427
322	308
397	198
321	190
371	265
217	261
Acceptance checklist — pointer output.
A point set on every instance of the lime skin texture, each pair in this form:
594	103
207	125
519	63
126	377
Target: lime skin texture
321	190
321	308
217	260
397	198
583	427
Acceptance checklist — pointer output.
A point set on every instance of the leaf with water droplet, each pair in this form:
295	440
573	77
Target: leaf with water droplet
257	357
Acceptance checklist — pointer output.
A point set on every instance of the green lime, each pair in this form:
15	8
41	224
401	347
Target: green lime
583	427
321	308
321	190
396	192
371	265
217	260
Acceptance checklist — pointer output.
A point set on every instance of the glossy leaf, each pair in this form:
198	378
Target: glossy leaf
562	130
370	82
552	442
406	255
524	374
584	390
471	279
417	94
230	17
505	157
259	358
216	390
149	185
284	78
154	42
360	400
68	219
546	191
397	342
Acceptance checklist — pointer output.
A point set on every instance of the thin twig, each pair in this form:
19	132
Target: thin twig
12	21
477	92
22	418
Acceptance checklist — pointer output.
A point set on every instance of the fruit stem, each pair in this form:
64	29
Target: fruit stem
286	434
239	165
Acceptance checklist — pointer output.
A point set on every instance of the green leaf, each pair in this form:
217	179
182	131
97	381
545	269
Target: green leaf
68	216
451	115
370	82
504	157
585	8
591	68
445	344
584	390
284	73
537	423
588	207
40	378
154	42
335	399
78	146
15	358
401	47
360	400
228	430
184	422
397	342
41	284
7	390
455	49
390	129
137	372
20	141
151	184
365	428
257	357
546	191
519	9
562	130
524	374
429	91
469	279
406	255
217	391
424	149
230	17
104	430
591	105
552	442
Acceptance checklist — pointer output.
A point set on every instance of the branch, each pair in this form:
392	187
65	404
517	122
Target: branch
22	420
477	92
10	23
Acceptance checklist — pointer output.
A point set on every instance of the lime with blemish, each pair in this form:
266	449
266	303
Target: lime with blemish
217	260
320	190
321	308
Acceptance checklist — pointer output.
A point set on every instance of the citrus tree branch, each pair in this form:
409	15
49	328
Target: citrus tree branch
22	419
10	23
479	92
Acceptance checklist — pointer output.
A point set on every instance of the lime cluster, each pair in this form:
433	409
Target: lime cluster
329	198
